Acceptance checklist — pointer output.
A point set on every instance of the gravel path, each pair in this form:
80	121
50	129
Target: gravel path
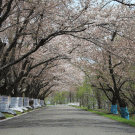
63	120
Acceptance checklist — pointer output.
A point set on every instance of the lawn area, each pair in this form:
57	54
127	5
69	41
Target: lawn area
111	116
18	112
7	115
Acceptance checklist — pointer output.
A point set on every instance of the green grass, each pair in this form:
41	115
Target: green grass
24	111
7	115
42	106
29	110
111	116
132	118
18	112
38	108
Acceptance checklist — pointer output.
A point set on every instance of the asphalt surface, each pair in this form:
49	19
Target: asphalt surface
63	120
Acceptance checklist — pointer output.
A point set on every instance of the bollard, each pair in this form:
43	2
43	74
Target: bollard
4	105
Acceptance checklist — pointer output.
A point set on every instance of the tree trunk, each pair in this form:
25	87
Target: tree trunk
98	96
114	99
70	96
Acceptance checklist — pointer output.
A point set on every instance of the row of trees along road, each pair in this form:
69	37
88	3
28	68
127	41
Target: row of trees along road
109	66
26	51
43	42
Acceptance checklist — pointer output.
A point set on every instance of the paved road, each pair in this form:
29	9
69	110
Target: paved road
63	120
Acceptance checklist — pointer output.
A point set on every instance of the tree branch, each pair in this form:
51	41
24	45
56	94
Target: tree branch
3	18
